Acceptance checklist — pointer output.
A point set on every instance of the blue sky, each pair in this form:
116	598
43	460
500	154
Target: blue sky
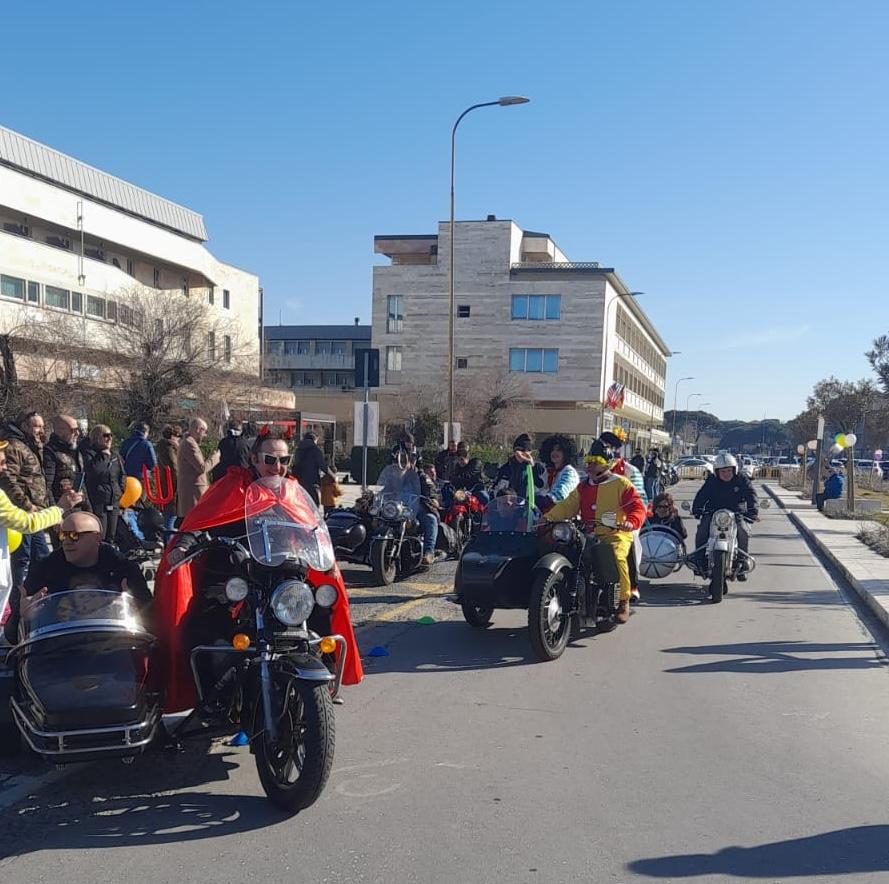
729	159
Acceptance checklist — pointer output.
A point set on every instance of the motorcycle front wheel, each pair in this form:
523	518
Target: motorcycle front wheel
549	628
295	767
717	576
383	562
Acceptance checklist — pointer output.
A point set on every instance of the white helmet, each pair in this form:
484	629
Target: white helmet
725	460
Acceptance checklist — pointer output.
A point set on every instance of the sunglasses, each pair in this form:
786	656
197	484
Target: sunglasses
271	460
74	536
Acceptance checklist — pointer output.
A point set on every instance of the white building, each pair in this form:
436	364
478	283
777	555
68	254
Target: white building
523	307
74	240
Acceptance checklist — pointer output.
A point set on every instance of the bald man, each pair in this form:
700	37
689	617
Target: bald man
82	561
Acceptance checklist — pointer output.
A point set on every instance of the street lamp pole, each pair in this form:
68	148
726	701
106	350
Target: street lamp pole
675	397
501	102
620	296
687	401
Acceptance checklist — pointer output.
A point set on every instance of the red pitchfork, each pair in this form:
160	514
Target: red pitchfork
160	497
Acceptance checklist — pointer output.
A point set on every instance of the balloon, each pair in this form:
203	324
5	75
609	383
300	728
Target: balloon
851	439
13	539
800	449
131	493
840	439
836	449
878	454
812	444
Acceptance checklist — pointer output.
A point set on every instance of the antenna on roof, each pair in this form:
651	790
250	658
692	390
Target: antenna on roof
280	316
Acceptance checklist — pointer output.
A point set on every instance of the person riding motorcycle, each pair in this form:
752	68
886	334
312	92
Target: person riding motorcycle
467	474
513	474
726	488
604	492
186	617
558	454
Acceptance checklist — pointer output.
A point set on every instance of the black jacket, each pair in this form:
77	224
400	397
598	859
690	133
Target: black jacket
513	473
105	480
310	464
717	495
234	451
62	463
468	477
674	522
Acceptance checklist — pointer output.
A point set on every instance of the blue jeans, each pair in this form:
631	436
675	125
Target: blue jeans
33	548
429	526
652	487
483	496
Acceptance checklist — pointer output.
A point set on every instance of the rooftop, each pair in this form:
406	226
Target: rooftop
36	159
317	332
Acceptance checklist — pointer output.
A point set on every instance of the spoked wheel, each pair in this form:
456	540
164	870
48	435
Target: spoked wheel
549	627
717	576
383	562
477	616
294	768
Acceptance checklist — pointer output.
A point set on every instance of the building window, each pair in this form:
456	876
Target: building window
463	311
55	297
226	299
111	311
395	314
211	346
274	348
130	267
227	349
60	242
338	348
211	294
462	362
33	292
185	286
533	360
126	315
157	278
12	287
330	380
537	307
76	302
17	229
393	358
95	306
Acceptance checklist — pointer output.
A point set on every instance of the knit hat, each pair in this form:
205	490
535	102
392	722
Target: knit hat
522	443
599	452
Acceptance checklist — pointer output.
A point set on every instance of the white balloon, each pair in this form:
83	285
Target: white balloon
836	449
851	439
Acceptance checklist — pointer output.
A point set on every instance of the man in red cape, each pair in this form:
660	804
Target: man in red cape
224	504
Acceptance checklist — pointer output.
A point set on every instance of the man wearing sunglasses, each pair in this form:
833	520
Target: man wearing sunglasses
83	561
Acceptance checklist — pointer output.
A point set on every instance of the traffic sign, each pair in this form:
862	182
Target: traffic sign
373	367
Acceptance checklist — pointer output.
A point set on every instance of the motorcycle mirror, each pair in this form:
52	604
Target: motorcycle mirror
609	520
686	505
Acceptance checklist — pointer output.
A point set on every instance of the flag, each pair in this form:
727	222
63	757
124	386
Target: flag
614	398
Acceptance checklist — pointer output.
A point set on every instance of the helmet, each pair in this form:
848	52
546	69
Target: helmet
725	460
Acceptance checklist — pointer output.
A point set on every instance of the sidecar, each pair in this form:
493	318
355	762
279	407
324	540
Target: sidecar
662	552
85	683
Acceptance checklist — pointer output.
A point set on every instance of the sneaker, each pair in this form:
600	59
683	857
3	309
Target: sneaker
623	611
635	595
428	559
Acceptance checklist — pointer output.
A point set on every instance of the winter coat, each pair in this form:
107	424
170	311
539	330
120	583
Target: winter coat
467	477
234	451
445	463
563	483
137	451
653	468
63	463
168	456
24	481
834	487
310	465
638	461
194	471
673	522
717	495
513	474
105	480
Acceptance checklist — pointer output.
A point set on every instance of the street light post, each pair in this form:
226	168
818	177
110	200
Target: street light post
675	397
501	102
698	427
687	401
620	296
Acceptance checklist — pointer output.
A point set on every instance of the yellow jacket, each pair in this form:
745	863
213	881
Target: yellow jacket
24	522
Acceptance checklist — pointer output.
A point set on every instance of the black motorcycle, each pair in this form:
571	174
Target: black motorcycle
566	580
87	683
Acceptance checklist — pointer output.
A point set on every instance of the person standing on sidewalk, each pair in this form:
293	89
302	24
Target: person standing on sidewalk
168	456
137	451
194	468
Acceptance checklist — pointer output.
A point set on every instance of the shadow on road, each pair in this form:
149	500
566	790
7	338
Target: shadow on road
105	804
671	595
854	851
772	657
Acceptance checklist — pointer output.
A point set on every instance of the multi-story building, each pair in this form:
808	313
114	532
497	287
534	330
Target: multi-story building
317	357
569	329
74	241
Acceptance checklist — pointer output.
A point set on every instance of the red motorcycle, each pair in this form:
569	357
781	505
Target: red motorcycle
463	513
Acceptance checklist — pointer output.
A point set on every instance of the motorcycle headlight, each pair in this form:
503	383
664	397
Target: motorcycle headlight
236	589
562	533
292	602
326	595
390	510
723	520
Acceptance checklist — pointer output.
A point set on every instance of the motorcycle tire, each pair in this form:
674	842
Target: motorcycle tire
383	563
546	642
717	576
476	616
10	741
309	710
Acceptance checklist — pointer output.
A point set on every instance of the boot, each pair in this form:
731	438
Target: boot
623	611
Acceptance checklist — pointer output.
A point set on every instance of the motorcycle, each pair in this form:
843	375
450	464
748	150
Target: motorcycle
718	561
87	683
566	580
396	545
351	531
463	513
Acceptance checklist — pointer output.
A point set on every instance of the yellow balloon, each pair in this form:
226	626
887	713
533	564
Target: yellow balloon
13	539
131	493
841	440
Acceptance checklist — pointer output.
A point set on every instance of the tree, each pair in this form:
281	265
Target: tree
843	403
878	356
490	406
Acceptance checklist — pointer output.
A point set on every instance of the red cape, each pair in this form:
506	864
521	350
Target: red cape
224	504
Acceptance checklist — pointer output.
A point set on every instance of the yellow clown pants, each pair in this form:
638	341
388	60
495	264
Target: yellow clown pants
620	542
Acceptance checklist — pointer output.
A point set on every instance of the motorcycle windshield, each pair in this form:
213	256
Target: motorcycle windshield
510	514
283	524
80	609
392	505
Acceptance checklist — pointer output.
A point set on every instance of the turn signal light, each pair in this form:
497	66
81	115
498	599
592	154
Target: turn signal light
241	642
327	645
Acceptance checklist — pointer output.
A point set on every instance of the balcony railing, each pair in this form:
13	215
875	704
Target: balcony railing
553	266
308	361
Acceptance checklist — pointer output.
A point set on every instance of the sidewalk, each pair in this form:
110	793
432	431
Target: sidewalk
866	571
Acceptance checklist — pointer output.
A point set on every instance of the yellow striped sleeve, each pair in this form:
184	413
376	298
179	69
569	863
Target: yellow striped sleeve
24	522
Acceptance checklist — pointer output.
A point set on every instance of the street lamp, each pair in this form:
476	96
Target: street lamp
687	400
697	428
605	327
675	396
506	101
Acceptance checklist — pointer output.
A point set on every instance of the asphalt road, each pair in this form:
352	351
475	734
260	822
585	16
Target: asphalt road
737	742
